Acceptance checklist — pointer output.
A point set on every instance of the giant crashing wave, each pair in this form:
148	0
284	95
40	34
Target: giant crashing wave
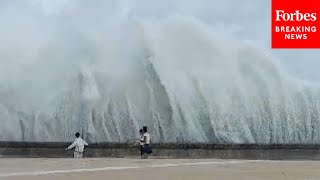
186	82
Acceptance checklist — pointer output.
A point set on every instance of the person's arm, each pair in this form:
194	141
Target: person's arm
144	138
85	143
72	145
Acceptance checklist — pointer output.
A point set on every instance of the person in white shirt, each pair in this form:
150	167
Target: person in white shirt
146	140
78	144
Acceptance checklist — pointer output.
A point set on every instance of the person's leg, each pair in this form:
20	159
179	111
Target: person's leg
146	151
77	155
149	150
141	150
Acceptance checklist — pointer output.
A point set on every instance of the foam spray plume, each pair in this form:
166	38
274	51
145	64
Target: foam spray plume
102	70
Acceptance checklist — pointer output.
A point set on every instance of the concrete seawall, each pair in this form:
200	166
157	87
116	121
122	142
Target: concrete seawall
219	151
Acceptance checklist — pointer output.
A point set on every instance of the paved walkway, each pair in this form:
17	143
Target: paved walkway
156	169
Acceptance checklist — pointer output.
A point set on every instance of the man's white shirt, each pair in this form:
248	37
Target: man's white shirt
147	137
79	144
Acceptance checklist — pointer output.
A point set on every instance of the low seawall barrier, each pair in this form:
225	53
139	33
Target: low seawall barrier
193	151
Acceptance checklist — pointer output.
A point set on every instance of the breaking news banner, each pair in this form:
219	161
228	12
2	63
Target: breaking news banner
295	24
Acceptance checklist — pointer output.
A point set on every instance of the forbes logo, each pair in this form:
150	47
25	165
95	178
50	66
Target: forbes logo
281	15
295	24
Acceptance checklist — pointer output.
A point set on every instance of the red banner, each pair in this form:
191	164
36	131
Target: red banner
295	24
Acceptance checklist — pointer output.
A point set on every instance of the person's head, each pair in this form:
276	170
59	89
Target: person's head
145	129
141	131
77	135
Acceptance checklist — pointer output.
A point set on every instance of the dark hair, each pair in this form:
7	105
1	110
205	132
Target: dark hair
145	129
140	131
77	134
